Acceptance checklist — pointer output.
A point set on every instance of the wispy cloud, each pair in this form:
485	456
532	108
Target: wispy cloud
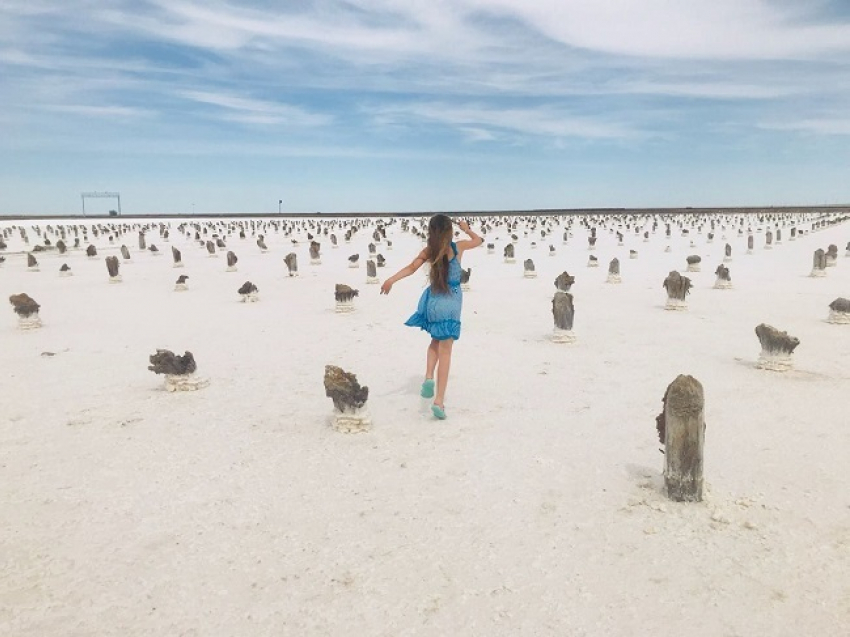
817	126
252	111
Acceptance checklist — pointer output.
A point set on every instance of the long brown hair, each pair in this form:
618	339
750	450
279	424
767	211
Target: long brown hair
439	251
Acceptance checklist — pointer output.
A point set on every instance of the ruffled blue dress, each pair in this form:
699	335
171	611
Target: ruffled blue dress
439	313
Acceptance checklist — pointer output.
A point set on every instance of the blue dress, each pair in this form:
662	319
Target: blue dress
439	313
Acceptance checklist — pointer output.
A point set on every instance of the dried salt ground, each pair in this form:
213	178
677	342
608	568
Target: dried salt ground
534	510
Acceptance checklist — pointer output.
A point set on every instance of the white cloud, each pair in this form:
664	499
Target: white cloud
539	121
817	126
253	111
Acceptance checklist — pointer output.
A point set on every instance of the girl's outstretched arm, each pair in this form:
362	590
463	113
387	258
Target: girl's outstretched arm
474	240
406	271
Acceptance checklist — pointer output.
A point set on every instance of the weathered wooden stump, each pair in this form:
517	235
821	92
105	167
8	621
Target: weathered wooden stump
344	297
91	252
248	293
32	263
564	282
724	280
528	270
694	263
61	247
776	348
552	252
349	399
793	234
142	245
591	243
677	287
381	261
154	251
371	272
778	236
176	257
27	311
464	279
563	313
681	428
509	253
179	371
211	249
181	285
65	270
125	253
291	261
614	272
315	256
232	260
112	267
768	240
354	261
334	241
847	250
592	262
832	256
491	248
261	243
819	264
839	311
750	244
633	254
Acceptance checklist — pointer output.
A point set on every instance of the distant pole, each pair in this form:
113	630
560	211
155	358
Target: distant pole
193	209
279	204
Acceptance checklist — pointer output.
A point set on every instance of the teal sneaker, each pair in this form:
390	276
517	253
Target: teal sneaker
427	388
439	412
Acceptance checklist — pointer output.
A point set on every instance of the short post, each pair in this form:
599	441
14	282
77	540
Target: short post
776	348
681	427
231	260
614	272
528	270
724	279
677	287
839	311
563	312
349	399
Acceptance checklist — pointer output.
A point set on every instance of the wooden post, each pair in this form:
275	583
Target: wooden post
683	427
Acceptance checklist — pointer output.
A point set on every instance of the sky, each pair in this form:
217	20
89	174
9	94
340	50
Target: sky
189	106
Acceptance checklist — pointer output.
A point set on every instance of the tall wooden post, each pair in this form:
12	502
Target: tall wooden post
684	438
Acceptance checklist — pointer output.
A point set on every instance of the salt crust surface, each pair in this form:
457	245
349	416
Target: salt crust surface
535	509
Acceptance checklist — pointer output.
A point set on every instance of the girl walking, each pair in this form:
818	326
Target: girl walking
441	302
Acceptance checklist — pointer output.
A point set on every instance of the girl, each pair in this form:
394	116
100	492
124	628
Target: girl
439	307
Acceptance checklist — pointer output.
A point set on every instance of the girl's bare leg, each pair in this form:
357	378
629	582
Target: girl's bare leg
431	358
444	356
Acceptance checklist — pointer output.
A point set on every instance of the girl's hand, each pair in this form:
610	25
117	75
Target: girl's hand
386	287
463	226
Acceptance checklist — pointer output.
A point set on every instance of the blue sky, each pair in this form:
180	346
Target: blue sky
382	105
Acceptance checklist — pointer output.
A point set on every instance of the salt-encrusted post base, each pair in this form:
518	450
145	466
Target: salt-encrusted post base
264	250
231	268
775	361
213	255
371	280
614	278
354	265
490	251
34	268
749	251
315	262
66	273
727	259
668	249
831	262
563	336
355	422
722	284
31	322
251	297
694	267
344	306
633	255
676	305
838	318
116	279
530	274
293	274
179	264
184	382
181	287
510	260
768	247
818	273
593	264
465	287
